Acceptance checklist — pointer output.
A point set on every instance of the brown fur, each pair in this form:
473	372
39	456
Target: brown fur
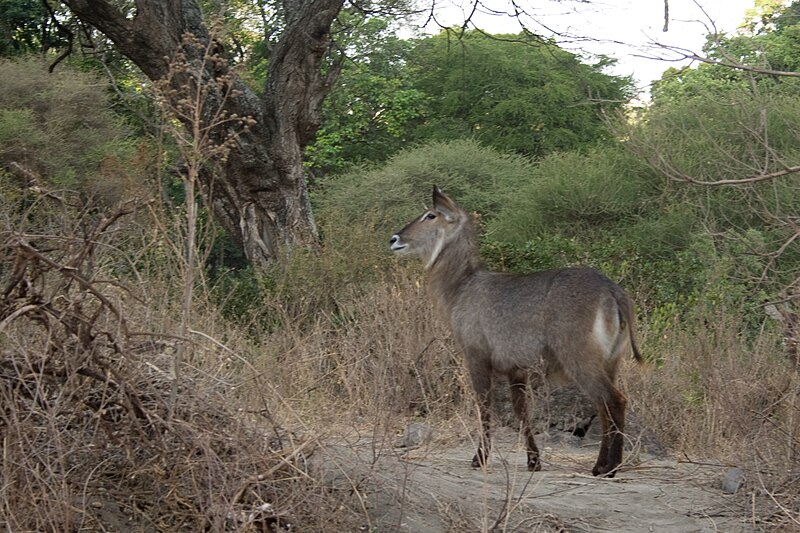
574	322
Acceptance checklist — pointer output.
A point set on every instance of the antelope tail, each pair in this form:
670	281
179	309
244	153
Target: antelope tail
628	320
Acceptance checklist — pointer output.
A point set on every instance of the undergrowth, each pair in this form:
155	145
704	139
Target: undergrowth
329	344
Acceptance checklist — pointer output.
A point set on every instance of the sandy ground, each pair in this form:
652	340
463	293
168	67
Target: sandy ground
432	489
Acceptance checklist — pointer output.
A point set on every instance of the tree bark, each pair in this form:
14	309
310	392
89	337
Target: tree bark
261	196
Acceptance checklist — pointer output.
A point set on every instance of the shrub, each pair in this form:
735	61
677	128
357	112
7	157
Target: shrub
59	128
481	178
572	191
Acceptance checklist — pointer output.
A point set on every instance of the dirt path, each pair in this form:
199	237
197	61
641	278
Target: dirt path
433	489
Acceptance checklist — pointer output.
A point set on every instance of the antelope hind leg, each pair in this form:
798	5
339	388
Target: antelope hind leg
612	414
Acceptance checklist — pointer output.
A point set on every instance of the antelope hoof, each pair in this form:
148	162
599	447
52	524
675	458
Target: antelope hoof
534	465
604	471
479	460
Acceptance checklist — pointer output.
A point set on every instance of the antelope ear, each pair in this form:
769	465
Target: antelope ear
443	204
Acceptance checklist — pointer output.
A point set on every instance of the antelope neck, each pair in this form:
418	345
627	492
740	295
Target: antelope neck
456	263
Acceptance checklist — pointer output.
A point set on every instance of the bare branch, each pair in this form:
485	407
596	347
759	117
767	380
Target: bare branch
680	176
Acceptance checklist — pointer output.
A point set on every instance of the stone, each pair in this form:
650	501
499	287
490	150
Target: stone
733	480
416	434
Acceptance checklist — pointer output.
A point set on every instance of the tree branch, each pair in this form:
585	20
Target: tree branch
740	181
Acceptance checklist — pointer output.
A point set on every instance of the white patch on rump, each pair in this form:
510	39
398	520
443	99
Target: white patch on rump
604	338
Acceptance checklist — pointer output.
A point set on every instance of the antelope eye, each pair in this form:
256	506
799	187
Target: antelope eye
430	216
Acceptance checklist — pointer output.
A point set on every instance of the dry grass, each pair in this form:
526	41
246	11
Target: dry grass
381	351
91	440
724	399
88	442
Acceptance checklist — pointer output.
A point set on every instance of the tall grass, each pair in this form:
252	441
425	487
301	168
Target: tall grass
721	397
280	365
255	404
91	438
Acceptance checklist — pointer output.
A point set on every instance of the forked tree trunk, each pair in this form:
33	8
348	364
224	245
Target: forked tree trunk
261	196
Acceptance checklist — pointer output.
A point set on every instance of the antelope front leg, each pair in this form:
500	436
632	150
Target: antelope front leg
481	375
519	397
481	457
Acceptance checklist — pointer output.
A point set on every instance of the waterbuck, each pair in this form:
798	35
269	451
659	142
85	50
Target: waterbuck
570	323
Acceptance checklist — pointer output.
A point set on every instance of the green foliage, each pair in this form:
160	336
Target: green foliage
532	98
18	133
481	178
59	128
730	135
569	192
706	140
709	140
512	95
26	26
370	113
779	36
774	45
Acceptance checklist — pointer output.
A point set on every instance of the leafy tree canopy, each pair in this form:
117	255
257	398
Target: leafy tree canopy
532	98
510	93
728	127
771	45
370	114
29	26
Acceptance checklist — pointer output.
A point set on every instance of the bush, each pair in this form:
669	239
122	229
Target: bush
571	191
479	178
59	129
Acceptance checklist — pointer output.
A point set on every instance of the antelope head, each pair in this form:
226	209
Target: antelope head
428	234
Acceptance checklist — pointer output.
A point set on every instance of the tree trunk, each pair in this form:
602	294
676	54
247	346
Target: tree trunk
260	196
